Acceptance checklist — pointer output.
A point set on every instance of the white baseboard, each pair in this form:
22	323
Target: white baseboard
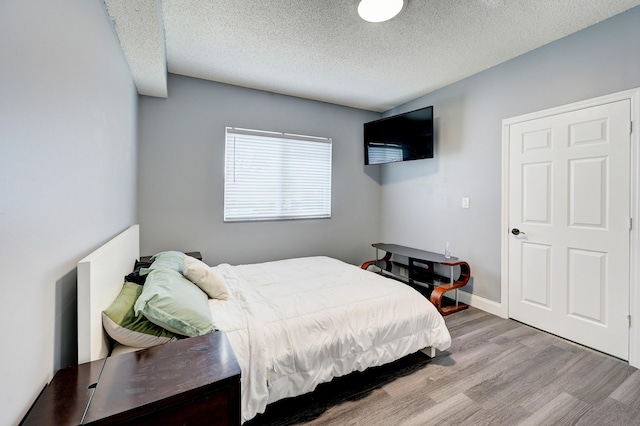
482	303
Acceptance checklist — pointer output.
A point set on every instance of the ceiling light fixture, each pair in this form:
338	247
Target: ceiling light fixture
379	10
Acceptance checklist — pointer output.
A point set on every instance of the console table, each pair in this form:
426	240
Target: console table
419	271
187	382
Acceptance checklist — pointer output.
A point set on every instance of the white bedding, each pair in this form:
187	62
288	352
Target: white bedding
296	323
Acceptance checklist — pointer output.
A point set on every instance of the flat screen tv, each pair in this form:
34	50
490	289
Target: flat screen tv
403	137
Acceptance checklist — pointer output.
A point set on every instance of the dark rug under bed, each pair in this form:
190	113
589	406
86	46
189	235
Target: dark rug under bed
352	387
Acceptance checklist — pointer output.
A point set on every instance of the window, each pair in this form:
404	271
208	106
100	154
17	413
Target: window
270	175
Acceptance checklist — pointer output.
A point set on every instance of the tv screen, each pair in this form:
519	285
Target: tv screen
403	137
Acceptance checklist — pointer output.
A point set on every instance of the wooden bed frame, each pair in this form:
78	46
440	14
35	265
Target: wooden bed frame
100	278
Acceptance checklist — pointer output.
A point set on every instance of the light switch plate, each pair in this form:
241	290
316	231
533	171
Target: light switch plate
465	202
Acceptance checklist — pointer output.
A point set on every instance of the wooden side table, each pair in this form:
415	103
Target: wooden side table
186	382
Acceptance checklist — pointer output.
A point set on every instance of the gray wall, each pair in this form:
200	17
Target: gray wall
421	201
181	175
67	178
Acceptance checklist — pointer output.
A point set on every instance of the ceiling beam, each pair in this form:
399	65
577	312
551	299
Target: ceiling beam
140	29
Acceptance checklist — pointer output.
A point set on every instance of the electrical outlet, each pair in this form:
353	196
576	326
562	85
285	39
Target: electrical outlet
465	202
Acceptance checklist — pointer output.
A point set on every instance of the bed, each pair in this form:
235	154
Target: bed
293	324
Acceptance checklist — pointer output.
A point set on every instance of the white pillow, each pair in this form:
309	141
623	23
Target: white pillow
205	277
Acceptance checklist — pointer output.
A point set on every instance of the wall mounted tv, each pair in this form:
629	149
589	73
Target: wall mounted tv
403	137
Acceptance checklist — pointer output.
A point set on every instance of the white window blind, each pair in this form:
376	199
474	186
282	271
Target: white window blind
271	176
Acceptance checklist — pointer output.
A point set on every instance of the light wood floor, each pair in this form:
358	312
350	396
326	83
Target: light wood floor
501	372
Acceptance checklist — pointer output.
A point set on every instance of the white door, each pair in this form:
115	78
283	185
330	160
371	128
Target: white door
569	197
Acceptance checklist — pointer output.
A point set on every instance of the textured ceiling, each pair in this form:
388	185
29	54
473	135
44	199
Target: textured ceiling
322	50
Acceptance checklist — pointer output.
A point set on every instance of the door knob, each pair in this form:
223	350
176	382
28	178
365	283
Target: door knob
516	231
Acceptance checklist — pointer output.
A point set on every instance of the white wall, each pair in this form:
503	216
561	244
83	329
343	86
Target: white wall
421	201
181	175
67	178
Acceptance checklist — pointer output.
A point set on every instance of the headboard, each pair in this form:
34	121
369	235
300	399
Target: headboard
100	278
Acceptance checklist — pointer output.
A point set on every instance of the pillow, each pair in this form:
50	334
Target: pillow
174	303
208	279
121	323
171	260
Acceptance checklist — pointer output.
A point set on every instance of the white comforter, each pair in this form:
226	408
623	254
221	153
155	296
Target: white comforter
296	323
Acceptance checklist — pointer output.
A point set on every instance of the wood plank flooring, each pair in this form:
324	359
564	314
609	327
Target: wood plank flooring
496	372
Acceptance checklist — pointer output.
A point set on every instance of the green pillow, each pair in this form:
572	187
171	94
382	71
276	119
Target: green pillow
121	323
168	260
174	303
172	260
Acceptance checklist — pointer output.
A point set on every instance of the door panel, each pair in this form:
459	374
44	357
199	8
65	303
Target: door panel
536	274
537	190
569	183
588	192
587	285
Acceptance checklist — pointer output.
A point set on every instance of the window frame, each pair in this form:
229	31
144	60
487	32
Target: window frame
289	191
